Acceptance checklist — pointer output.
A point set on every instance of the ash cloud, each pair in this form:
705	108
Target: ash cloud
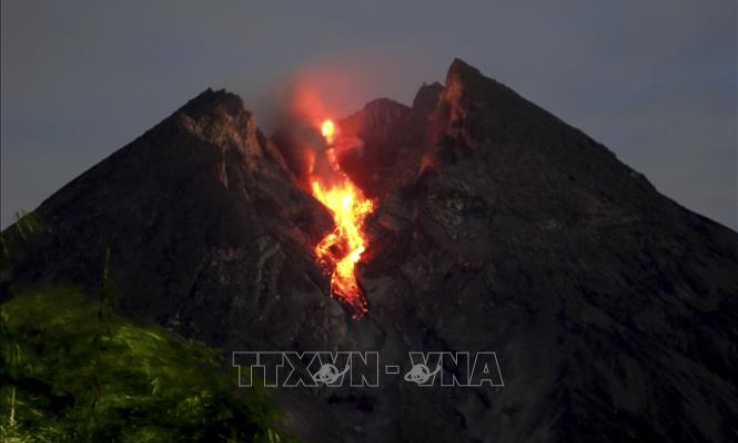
293	124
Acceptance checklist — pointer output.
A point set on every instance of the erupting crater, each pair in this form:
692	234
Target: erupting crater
341	250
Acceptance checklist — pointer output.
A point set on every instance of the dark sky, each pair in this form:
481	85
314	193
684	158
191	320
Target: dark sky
656	81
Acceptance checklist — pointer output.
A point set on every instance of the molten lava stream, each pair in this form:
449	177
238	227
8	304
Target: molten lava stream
340	251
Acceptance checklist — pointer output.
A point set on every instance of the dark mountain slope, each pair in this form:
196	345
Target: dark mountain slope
614	308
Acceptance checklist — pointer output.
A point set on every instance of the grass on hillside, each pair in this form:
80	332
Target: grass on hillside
72	371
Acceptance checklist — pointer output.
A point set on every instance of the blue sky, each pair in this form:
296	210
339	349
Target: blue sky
656	81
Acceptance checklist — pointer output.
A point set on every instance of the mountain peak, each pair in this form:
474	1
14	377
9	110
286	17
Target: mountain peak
220	118
427	97
461	68
210	101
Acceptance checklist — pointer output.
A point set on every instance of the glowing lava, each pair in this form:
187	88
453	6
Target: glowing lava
328	129
341	250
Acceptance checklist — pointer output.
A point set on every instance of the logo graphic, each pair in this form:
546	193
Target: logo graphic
328	374
420	373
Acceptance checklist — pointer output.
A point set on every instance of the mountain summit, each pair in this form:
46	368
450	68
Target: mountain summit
498	227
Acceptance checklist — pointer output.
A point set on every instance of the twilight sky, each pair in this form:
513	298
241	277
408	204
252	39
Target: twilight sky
655	81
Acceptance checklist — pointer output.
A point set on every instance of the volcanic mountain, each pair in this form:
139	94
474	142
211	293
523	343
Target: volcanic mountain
612	310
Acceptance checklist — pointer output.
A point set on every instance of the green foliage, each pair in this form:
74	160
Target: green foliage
26	225
15	240
72	371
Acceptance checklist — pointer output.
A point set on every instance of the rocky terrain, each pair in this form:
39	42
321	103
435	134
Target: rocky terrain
611	308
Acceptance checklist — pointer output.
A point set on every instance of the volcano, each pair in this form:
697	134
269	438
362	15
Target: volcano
497	227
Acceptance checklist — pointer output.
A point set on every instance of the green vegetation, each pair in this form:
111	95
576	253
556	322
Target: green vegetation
25	225
14	241
73	371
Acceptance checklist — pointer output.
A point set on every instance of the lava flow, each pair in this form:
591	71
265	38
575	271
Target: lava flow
341	250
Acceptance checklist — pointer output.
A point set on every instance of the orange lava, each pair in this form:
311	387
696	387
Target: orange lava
340	251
